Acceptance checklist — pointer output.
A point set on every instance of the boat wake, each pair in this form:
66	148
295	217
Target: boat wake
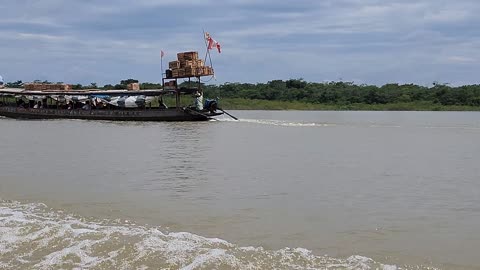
284	123
34	236
281	123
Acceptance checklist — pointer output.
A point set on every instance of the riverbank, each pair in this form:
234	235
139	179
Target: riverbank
256	104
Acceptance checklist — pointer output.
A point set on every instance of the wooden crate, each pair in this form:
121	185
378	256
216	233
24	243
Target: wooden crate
133	87
187	56
47	87
174	64
190	55
181	72
200	63
28	86
208	70
175	73
199	71
181	56
187	63
190	71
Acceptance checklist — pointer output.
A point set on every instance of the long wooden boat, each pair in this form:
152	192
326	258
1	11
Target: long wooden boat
171	114
59	101
9	107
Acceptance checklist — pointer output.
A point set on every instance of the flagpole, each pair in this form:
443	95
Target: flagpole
208	51
206	44
161	63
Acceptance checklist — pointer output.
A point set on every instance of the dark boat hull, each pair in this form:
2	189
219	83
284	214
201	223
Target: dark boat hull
110	115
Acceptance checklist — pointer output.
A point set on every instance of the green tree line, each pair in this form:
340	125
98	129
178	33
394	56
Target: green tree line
344	93
331	93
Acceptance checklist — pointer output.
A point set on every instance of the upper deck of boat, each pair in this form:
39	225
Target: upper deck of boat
86	92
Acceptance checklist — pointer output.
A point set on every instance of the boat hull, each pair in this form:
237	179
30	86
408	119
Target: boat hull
110	115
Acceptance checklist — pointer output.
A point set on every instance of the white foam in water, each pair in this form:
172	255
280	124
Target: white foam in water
281	123
32	236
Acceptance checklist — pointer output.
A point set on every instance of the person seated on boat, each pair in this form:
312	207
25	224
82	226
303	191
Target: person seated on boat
38	105
87	106
21	103
100	105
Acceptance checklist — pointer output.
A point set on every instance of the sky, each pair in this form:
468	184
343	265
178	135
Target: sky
360	41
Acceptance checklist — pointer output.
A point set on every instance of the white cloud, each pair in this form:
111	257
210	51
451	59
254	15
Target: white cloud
372	40
461	59
41	37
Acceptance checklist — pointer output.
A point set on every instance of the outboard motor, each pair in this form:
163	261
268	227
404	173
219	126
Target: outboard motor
211	105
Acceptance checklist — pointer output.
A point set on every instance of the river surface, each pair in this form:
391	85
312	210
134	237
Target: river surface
275	190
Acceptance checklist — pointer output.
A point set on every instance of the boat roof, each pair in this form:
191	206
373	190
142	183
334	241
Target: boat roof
87	92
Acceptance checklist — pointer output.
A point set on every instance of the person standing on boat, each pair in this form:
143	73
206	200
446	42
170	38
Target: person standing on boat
198	100
162	104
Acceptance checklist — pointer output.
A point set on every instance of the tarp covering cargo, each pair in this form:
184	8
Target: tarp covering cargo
125	101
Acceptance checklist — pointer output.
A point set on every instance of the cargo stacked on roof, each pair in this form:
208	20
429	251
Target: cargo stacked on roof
47	87
188	65
133	87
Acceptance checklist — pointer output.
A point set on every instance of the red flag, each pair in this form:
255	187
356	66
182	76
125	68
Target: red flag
212	43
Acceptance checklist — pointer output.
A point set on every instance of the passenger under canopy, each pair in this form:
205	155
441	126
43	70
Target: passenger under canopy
138	101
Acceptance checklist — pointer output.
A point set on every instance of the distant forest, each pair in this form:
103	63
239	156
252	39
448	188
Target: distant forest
334	93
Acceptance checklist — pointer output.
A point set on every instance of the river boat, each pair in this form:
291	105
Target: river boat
22	104
59	101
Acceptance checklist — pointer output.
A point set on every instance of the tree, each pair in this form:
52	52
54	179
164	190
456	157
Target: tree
298	83
128	81
108	87
77	86
120	87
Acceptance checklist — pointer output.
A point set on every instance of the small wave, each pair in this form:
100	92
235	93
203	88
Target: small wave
34	236
282	123
453	127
